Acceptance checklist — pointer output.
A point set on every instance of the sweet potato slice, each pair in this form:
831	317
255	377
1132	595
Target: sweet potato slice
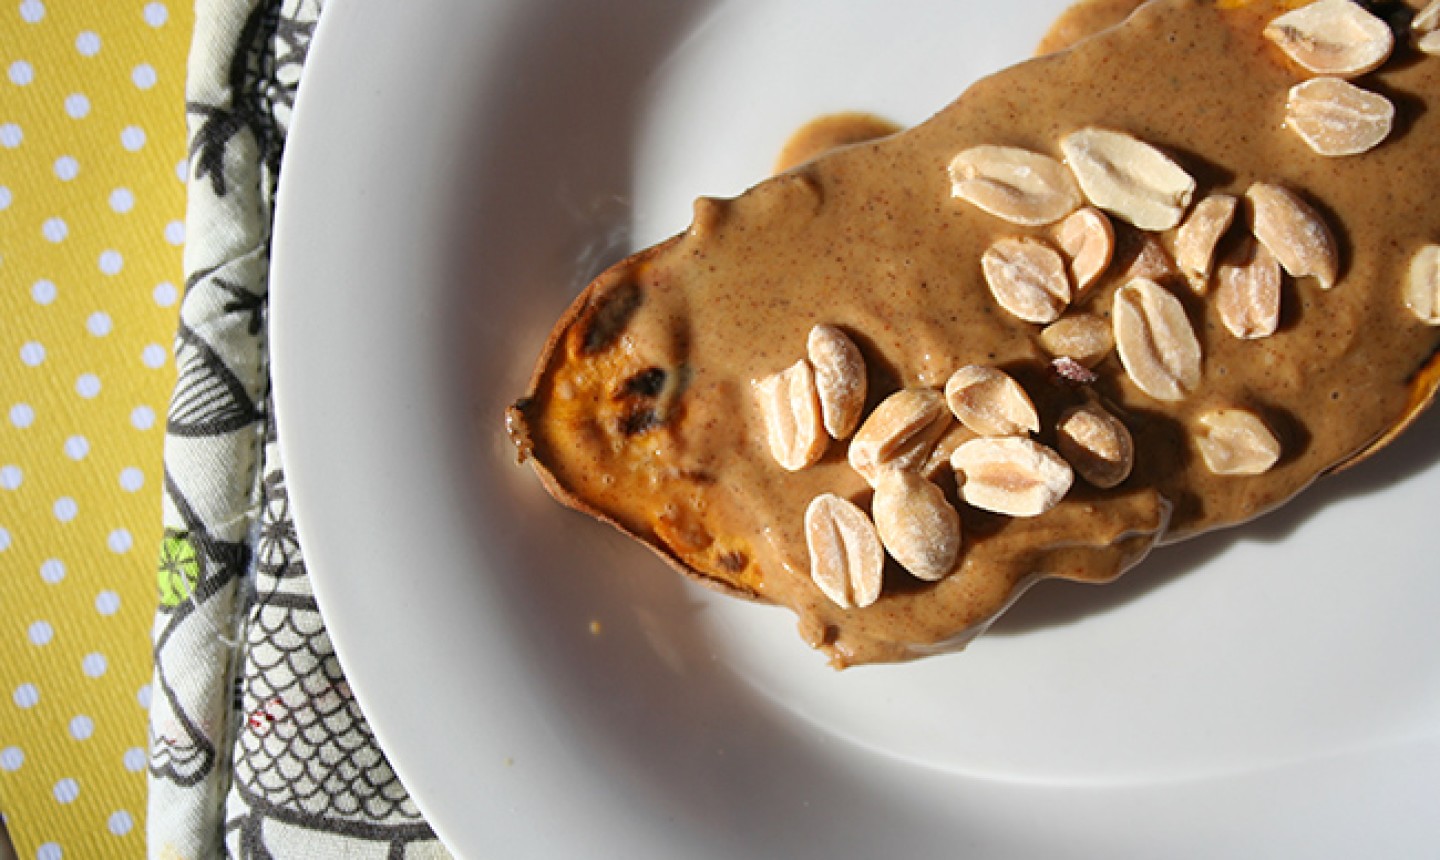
641	412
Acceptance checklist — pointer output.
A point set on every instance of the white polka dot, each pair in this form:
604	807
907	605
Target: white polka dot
175	232
11	135
41	633
87	385
5	198
10	477
142	696
31	11
153	356
122	200
88	43
77	105
21	73
119	541
120	822
48	851
54	229
4	539
11	758
182	170
43	292
65	509
134	759
32	353
94	664
132	137
111	262
165	294
66	168
142	417
66	790
143	76
98	324
156	14
82	727
52	570
26	696
131	479
107	602
76	447
22	415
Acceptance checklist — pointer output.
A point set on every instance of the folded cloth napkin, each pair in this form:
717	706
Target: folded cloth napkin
257	747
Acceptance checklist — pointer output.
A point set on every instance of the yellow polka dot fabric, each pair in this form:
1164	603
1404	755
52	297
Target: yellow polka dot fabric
92	198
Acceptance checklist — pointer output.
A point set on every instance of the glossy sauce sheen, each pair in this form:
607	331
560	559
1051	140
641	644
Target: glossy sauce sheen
870	239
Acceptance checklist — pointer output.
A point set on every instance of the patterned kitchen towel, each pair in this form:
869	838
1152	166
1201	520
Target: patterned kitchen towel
257	747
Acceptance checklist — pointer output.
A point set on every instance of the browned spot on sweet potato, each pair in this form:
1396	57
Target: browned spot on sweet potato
607	316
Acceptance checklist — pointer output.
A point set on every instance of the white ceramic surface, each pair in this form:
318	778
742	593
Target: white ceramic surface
457	169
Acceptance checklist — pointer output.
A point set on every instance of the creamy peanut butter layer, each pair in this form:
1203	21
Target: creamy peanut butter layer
1150	285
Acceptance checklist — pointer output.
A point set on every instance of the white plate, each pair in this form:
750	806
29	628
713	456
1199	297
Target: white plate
457	169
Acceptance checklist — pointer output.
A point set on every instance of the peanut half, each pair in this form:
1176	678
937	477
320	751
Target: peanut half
917	526
1198	236
1236	442
1096	444
1011	475
1085	338
847	562
1027	277
990	403
1128	178
1333	37
899	433
790	406
839	379
1088	239
1156	342
1018	185
1294	232
1248	295
1422	285
1335	118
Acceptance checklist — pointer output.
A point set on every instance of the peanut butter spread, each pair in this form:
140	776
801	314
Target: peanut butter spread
644	411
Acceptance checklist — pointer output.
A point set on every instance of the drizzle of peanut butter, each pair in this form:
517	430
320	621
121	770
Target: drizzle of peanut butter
869	239
830	132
